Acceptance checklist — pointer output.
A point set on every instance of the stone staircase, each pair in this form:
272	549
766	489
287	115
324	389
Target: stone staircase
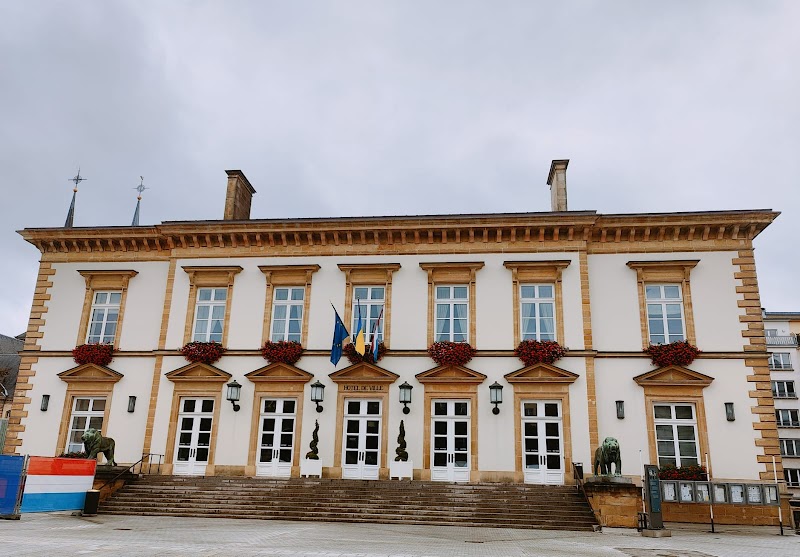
334	500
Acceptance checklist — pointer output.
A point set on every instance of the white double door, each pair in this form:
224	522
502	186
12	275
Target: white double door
361	455
193	442
276	437
450	440
543	442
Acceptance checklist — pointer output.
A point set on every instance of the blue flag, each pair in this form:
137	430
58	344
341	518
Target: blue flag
340	334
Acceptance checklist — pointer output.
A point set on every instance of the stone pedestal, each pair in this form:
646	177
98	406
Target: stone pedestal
616	500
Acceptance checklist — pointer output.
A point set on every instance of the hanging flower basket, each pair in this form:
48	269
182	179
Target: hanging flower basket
679	353
354	357
284	352
693	473
205	352
98	354
539	352
447	353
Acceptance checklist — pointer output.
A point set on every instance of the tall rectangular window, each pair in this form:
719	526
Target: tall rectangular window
104	317
452	313
287	314
783	389
537	312
676	434
209	315
787	418
792	476
87	412
780	361
371	300
790	447
665	313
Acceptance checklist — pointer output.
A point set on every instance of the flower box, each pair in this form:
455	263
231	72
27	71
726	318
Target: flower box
401	469
309	467
693	473
539	352
354	357
205	352
447	353
679	353
285	352
94	353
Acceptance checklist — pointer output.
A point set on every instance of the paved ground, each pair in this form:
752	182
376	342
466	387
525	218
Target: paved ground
58	534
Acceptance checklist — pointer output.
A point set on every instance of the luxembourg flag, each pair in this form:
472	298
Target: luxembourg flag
57	484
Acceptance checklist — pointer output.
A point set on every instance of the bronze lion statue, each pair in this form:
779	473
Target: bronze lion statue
95	444
605	455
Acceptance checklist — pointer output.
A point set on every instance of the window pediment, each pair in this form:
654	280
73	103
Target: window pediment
673	376
667	271
369	273
93	373
537	271
288	275
280	372
451	374
363	373
198	372
541	373
97	279
463	272
212	275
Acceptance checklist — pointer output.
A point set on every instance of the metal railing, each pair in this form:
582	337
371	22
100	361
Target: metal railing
788	340
141	464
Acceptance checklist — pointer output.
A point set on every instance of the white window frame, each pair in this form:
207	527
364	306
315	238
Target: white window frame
790	448
776	361
214	302
792	476
783	389
286	306
537	301
792	417
102	311
73	447
370	310
664	302
674	423
451	302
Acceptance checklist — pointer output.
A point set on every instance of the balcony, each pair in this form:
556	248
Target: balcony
789	340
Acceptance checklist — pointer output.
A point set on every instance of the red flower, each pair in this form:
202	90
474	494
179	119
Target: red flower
447	353
350	353
539	352
693	473
285	352
95	353
206	352
679	353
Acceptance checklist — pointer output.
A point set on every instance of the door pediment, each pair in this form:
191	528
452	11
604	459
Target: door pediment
363	372
90	373
673	376
280	372
541	373
198	371
451	374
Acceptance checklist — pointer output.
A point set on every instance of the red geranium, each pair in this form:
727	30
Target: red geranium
694	473
447	353
539	352
679	353
350	353
285	352
205	352
94	353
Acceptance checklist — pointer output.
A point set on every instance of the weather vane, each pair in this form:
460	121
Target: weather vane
77	179
141	187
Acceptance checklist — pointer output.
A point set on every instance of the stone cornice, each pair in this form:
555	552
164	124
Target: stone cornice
413	234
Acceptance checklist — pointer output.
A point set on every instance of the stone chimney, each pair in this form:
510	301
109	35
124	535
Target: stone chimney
239	195
557	180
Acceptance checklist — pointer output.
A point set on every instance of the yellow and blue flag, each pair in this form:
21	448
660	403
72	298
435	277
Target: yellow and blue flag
360	343
340	334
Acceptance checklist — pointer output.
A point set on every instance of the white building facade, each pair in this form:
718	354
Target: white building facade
603	286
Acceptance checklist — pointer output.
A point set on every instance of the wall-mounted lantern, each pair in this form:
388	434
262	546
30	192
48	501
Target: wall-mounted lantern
405	396
45	402
234	392
729	413
620	409
496	396
317	394
131	403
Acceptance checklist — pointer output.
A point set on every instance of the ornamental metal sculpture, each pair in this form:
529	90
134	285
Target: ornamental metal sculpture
605	455
402	454
313	454
95	443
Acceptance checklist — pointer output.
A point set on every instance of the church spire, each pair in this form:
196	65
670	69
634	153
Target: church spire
71	213
140	188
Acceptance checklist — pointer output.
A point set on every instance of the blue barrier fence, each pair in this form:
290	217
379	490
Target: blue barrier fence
11	468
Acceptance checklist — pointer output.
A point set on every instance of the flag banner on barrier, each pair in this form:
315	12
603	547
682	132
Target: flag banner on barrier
10	478
57	484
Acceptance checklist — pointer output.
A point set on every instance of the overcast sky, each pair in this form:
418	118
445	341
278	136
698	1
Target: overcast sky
378	107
